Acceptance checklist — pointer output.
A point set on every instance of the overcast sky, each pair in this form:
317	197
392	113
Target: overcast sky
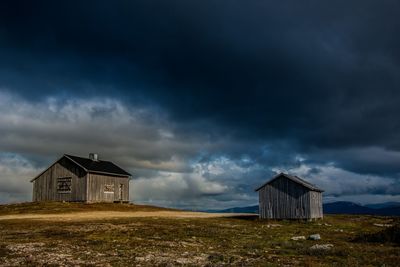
202	101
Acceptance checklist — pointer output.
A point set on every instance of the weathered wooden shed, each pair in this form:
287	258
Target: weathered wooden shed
73	178
289	197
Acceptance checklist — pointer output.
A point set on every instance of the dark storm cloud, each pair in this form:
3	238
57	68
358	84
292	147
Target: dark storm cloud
261	83
311	71
372	160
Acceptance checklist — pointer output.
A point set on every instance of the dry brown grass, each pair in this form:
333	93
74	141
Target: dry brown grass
68	207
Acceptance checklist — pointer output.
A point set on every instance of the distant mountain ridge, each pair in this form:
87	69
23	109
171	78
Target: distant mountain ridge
340	207
249	209
344	207
383	205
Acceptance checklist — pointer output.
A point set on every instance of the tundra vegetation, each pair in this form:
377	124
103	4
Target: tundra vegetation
173	241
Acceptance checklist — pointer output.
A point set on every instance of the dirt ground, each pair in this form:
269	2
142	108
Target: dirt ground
105	215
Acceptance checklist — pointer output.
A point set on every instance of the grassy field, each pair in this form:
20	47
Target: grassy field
66	207
149	241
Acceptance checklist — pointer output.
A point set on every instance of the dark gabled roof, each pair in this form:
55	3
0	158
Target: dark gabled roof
98	166
295	179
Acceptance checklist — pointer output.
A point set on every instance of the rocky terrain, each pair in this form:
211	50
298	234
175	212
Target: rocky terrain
190	240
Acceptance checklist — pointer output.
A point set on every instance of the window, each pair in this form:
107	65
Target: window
109	188
64	184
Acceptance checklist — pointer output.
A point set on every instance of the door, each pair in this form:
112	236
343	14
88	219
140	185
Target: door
269	213
121	192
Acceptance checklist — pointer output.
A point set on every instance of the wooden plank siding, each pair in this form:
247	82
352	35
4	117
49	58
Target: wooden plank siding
45	186
286	199
97	182
85	186
316	204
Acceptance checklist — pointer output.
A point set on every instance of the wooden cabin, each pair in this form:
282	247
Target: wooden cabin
289	197
73	178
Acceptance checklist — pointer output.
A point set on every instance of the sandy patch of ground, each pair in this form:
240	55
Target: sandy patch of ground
101	215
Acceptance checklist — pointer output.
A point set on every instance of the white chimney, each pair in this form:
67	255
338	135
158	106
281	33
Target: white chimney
93	156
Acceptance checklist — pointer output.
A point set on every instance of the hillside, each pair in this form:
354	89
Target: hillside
195	241
343	207
383	205
64	211
67	207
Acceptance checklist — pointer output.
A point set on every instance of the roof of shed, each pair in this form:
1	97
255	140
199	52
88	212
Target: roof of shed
295	179
100	166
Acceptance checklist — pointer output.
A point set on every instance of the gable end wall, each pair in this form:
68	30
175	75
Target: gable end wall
285	199
45	186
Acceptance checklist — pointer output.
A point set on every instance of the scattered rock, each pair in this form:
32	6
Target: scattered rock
296	238
183	261
37	254
273	225
314	237
383	225
321	247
